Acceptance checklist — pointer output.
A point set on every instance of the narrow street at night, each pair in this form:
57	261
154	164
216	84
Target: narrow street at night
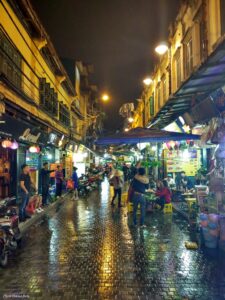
88	250
112	149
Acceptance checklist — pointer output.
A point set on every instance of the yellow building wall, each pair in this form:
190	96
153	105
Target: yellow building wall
33	65
187	20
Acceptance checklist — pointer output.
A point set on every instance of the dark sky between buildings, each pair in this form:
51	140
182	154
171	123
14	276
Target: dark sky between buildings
117	36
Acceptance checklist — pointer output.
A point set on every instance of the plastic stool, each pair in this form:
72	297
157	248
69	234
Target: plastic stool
124	197
190	202
168	208
130	208
30	208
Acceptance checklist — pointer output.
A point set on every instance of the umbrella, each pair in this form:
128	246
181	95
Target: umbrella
145	135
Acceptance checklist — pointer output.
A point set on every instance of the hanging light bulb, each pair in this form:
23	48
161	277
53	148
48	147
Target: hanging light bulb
6	144
34	149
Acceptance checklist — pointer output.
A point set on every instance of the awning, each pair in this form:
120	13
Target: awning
207	79
145	135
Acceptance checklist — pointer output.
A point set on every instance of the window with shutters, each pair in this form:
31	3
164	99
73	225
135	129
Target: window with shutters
188	57
222	16
164	84
64	114
48	98
177	66
158	93
188	54
10	61
178	71
151	104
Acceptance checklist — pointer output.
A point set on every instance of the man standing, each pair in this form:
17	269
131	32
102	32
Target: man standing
125	172
186	183
59	181
45	181
25	186
76	183
140	184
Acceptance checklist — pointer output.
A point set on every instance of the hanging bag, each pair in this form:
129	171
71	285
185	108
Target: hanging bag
70	184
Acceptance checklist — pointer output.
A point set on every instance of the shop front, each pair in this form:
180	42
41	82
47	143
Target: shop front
8	171
21	143
80	159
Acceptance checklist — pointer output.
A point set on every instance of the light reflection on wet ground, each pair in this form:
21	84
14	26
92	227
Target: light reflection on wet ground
88	251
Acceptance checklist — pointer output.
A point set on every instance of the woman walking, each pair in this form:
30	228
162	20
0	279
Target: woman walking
117	181
59	181
76	183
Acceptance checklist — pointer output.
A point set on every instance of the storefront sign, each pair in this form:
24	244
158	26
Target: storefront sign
187	160
29	137
20	131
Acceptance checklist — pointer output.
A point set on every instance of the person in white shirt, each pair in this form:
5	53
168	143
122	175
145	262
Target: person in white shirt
170	181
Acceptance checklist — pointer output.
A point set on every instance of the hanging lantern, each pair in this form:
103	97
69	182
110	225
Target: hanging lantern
34	149
14	145
6	144
168	145
172	144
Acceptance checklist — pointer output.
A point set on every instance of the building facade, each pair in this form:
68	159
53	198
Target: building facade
40	106
192	68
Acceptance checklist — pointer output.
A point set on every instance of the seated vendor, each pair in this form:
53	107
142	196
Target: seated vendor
170	181
186	182
163	193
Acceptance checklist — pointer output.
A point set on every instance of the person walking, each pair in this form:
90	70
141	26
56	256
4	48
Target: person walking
59	181
45	182
125	172
25	188
117	181
139	184
76	183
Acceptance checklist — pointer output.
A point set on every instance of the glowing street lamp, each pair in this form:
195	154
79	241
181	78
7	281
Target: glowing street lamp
130	119
105	97
147	81
126	129
161	48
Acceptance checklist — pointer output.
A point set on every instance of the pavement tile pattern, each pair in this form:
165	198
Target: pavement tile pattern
88	250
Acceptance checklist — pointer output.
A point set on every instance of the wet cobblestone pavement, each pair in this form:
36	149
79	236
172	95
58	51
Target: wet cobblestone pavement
88	251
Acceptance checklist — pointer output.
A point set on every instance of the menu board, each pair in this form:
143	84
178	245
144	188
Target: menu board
69	166
32	160
187	160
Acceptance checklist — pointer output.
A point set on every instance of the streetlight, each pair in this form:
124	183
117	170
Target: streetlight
126	129
105	97
147	81
161	48
130	119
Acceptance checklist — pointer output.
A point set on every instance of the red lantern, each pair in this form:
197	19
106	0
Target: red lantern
6	144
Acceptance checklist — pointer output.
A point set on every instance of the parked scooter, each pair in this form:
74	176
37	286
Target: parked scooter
10	236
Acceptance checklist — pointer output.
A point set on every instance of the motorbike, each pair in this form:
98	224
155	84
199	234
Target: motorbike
10	236
89	182
84	188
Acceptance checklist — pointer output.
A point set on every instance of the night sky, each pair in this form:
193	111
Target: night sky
117	36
